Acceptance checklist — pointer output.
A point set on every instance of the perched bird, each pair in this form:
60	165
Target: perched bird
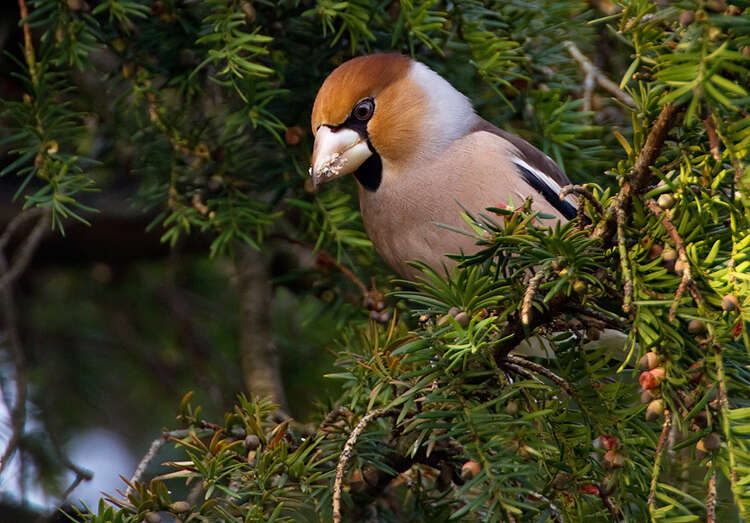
418	150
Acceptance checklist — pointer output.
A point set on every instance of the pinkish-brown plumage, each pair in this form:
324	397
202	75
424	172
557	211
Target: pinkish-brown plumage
420	153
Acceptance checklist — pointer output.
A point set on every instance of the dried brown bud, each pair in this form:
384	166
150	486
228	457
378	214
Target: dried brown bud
152	517
614	458
371	475
293	135
463	319
511	408
733	10
666	201
669	254
248	10
680	265
655	251
453	311
730	303
700	420
687	18
655	410
251	442
696	326
470	470
711	442
649	395
562	480
179	507
648	361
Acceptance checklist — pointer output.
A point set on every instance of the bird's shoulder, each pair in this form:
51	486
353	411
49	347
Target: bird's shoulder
525	152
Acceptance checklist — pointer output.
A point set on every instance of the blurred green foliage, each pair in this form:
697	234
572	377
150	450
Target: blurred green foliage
209	102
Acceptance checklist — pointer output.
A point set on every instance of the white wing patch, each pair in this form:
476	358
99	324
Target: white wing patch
552	184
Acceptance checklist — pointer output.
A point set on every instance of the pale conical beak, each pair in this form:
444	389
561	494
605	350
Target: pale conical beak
336	153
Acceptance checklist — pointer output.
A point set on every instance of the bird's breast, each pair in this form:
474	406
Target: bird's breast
403	216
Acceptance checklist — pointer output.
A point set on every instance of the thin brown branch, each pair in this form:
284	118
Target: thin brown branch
582	191
13	340
528	297
334	415
713	138
17	221
153	450
607	501
25	252
711	499
594	74
679	244
327	259
625	267
81	473
514	332
665	429
346	455
521	371
642	175
28	46
544	371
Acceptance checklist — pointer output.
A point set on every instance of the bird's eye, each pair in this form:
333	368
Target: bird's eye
364	109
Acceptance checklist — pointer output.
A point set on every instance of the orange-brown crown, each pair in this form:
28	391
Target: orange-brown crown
358	78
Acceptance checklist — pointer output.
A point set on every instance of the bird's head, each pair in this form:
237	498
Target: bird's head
383	110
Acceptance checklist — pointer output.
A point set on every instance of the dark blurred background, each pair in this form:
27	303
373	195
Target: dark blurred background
117	327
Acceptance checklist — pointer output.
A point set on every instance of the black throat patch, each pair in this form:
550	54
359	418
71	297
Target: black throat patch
370	173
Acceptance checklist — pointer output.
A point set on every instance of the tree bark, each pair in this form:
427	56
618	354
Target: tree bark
261	369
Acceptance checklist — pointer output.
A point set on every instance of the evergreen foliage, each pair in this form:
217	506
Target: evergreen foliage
215	97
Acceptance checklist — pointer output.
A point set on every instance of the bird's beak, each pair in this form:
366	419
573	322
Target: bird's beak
336	153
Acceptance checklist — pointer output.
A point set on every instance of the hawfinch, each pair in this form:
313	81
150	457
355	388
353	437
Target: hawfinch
420	153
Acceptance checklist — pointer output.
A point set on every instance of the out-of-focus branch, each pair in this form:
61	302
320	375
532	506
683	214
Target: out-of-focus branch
13	338
13	342
594	75
25	251
261	366
28	45
153	450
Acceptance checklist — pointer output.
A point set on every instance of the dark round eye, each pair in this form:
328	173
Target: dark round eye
364	109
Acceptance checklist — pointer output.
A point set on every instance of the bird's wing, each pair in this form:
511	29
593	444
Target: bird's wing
537	169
